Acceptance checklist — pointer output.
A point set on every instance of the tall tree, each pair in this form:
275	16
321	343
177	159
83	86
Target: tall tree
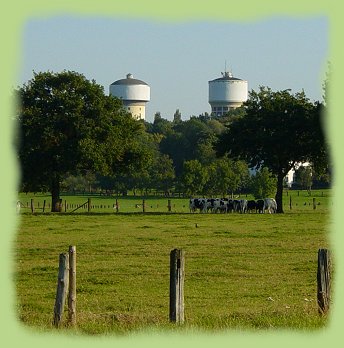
278	130
263	184
226	176
68	126
194	177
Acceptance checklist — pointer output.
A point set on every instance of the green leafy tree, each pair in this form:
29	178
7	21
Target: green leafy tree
304	177
191	139
194	177
278	130
177	117
162	173
226	176
263	184
68	126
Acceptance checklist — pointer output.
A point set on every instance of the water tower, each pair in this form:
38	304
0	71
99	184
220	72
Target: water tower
226	93
134	94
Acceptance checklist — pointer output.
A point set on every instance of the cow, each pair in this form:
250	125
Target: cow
211	204
197	203
240	205
270	205
236	205
251	206
215	205
230	206
224	205
260	206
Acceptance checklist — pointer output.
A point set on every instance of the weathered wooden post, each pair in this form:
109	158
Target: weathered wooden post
169	207
65	206
143	206
32	206
177	257
44	202
72	286
324	281
314	204
62	287
88	204
117	206
290	205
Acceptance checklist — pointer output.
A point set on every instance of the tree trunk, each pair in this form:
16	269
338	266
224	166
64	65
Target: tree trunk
56	202
279	193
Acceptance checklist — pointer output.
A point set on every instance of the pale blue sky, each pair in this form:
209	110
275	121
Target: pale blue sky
178	59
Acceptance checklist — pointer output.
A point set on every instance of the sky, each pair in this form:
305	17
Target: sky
177	59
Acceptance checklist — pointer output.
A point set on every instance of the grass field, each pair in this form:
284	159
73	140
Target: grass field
250	271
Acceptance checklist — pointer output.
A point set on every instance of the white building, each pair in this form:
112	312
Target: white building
226	93
134	94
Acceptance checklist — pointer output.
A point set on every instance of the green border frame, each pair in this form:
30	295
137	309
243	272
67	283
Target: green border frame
14	16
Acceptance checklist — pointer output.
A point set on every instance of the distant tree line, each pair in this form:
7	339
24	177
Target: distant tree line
72	137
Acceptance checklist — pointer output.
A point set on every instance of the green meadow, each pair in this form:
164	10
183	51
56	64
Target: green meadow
242	271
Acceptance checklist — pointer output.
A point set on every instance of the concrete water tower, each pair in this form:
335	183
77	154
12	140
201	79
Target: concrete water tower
226	93
134	94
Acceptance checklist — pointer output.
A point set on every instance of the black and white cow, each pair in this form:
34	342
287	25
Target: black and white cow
230	206
270	205
251	206
260	206
240	205
197	203
216	205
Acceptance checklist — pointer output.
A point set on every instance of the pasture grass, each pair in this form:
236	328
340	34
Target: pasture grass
246	272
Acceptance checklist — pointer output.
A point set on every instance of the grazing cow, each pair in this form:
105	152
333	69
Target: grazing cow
251	206
240	205
243	206
270	205
260	206
236	205
197	203
230	206
223	205
216	204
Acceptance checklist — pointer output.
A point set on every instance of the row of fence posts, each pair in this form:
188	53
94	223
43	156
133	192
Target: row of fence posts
66	285
116	205
314	203
89	206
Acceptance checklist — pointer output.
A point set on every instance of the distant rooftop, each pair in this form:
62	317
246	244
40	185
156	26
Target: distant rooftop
129	81
226	76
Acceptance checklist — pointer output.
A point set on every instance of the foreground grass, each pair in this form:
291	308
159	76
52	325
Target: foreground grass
242	271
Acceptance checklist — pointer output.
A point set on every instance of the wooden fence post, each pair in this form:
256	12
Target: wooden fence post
143	206
290	205
169	207
177	258
88	204
32	206
44	202
314	204
62	286
117	206
72	286
324	281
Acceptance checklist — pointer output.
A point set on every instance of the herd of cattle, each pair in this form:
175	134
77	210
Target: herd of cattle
226	205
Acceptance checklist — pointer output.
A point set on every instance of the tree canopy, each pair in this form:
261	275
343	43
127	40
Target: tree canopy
277	131
67	125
